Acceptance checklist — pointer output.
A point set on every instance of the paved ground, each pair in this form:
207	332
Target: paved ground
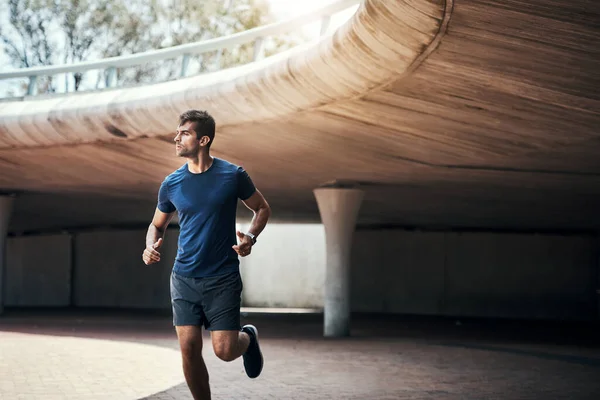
95	355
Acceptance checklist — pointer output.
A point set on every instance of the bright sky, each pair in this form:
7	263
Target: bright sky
288	8
284	9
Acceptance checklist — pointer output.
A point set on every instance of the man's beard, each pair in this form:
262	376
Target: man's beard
186	152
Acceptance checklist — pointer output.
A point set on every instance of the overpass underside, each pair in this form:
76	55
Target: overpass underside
457	113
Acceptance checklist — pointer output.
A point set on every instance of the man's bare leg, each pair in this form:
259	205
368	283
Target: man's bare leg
194	368
229	345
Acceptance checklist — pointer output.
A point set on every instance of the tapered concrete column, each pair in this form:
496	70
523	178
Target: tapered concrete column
339	210
6	204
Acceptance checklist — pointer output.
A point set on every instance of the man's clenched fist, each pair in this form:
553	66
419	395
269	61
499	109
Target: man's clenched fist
151	255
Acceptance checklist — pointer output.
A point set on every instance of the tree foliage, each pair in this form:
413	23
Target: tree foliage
47	32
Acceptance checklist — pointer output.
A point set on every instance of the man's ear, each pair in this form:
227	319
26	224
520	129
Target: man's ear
204	140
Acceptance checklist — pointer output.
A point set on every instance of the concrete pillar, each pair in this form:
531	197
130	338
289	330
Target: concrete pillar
6	204
339	209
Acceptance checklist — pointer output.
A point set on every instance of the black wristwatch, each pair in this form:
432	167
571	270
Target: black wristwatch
252	237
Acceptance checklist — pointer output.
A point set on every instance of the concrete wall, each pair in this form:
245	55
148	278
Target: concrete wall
286	267
109	271
522	276
396	271
38	270
597	255
474	274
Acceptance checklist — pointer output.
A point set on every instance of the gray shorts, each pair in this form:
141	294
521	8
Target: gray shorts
213	301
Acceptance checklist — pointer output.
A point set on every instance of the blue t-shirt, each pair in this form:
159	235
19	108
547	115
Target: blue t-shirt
206	204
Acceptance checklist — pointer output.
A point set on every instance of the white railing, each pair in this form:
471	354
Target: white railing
185	51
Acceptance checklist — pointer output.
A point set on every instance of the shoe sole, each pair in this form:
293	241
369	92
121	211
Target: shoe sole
262	360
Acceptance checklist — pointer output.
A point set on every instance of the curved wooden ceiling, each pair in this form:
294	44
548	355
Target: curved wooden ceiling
449	113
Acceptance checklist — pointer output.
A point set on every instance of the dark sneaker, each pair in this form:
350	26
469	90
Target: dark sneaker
253	358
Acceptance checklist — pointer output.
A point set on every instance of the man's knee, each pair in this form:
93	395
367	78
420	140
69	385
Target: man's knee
226	351
225	344
190	343
191	348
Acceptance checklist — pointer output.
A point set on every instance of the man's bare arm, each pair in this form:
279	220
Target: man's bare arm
158	226
262	212
155	236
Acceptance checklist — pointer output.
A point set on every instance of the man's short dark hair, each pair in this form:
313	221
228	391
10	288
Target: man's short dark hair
204	124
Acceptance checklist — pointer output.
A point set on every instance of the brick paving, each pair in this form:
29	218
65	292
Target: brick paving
93	355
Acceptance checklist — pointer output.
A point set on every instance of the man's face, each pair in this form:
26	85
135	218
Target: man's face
186	142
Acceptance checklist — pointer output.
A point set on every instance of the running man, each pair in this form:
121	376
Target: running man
206	285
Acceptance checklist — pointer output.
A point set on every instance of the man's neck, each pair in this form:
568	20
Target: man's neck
200	164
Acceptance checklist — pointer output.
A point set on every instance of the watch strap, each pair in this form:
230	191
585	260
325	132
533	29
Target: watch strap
252	237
